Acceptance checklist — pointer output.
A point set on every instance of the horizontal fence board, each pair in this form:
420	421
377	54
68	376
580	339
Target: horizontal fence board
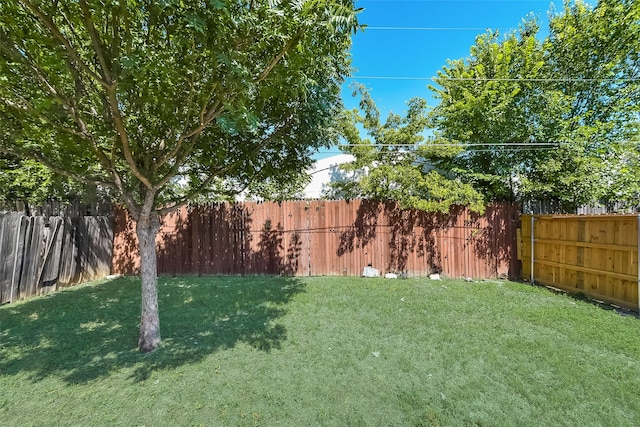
326	237
588	245
597	271
594	255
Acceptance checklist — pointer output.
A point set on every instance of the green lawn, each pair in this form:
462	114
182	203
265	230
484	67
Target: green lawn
330	351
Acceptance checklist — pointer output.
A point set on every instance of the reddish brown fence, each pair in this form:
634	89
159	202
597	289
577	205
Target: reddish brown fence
327	238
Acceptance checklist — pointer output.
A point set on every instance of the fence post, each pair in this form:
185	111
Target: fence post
638	264
532	250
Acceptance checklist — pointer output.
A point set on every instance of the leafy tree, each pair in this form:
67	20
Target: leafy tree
288	186
598	51
546	119
486	109
390	163
162	101
28	181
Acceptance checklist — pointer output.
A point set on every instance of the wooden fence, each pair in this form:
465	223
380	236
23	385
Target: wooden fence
40	253
326	238
596	255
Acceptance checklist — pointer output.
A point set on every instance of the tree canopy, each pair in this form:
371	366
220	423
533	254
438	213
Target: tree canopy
522	117
165	100
554	119
390	162
26	180
131	95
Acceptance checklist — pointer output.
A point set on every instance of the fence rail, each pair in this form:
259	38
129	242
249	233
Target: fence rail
326	238
38	254
596	255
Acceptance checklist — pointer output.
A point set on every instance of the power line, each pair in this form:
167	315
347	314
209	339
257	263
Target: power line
480	146
437	28
461	144
484	80
446	1
492	144
524	79
473	150
388	78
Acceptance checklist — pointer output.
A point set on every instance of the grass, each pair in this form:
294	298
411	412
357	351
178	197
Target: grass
330	351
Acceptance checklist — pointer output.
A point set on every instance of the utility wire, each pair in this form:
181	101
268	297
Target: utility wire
497	143
524	79
436	28
482	79
502	149
467	152
446	1
473	147
461	144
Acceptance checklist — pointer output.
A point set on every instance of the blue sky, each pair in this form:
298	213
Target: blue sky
414	38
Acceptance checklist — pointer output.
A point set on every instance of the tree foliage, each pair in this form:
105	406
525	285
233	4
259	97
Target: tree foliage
288	186
132	95
165	100
390	162
599	48
483	108
521	117
554	119
32	183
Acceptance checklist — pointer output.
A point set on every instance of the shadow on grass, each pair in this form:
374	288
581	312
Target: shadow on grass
90	332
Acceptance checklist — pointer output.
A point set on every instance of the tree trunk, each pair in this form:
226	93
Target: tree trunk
147	228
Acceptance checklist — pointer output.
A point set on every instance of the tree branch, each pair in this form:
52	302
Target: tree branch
206	119
55	31
287	47
69	105
178	163
124	139
95	41
39	73
174	152
26	106
107	165
186	149
204	110
175	204
208	115
261	145
211	114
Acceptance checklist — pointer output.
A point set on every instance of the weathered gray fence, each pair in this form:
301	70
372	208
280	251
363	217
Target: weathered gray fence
41	253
